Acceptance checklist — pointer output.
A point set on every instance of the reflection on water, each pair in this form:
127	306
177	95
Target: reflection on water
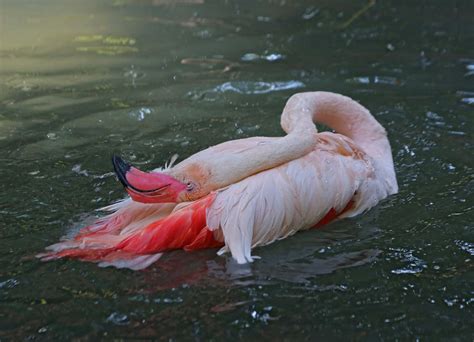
81	80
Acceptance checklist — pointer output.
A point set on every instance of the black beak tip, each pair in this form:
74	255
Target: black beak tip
121	167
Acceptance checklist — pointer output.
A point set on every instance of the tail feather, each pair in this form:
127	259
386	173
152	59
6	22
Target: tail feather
205	239
172	232
113	244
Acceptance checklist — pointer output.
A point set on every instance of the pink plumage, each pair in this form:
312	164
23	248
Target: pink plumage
246	193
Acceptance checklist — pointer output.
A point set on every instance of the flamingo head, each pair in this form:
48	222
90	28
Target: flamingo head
158	187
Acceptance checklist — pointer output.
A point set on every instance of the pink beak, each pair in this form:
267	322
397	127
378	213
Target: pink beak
152	187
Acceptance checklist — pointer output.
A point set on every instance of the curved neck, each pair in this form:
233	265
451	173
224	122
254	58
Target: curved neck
233	161
346	117
298	119
339	112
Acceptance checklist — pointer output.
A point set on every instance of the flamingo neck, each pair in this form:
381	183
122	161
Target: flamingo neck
339	112
298	120
226	163
348	118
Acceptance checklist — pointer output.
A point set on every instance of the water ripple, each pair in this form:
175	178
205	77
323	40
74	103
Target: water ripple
245	88
467	97
118	318
470	70
249	88
8	284
377	80
465	246
272	57
415	264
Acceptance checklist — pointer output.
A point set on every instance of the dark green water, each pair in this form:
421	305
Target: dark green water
80	80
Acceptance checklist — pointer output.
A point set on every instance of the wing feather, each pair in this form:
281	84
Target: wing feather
276	203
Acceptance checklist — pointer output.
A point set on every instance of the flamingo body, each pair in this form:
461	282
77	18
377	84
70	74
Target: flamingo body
294	196
249	192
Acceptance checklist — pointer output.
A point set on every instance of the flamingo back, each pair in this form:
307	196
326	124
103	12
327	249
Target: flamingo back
278	202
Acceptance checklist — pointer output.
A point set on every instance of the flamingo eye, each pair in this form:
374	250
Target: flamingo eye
189	186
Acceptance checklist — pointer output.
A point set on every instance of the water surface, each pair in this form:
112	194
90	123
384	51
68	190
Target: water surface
80	80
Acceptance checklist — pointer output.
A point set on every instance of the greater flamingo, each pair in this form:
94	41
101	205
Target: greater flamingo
246	193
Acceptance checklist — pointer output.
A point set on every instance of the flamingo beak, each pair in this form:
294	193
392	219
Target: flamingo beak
147	187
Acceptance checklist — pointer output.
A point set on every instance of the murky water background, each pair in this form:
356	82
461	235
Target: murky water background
80	80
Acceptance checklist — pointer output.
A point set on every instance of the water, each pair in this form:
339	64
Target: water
80	80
